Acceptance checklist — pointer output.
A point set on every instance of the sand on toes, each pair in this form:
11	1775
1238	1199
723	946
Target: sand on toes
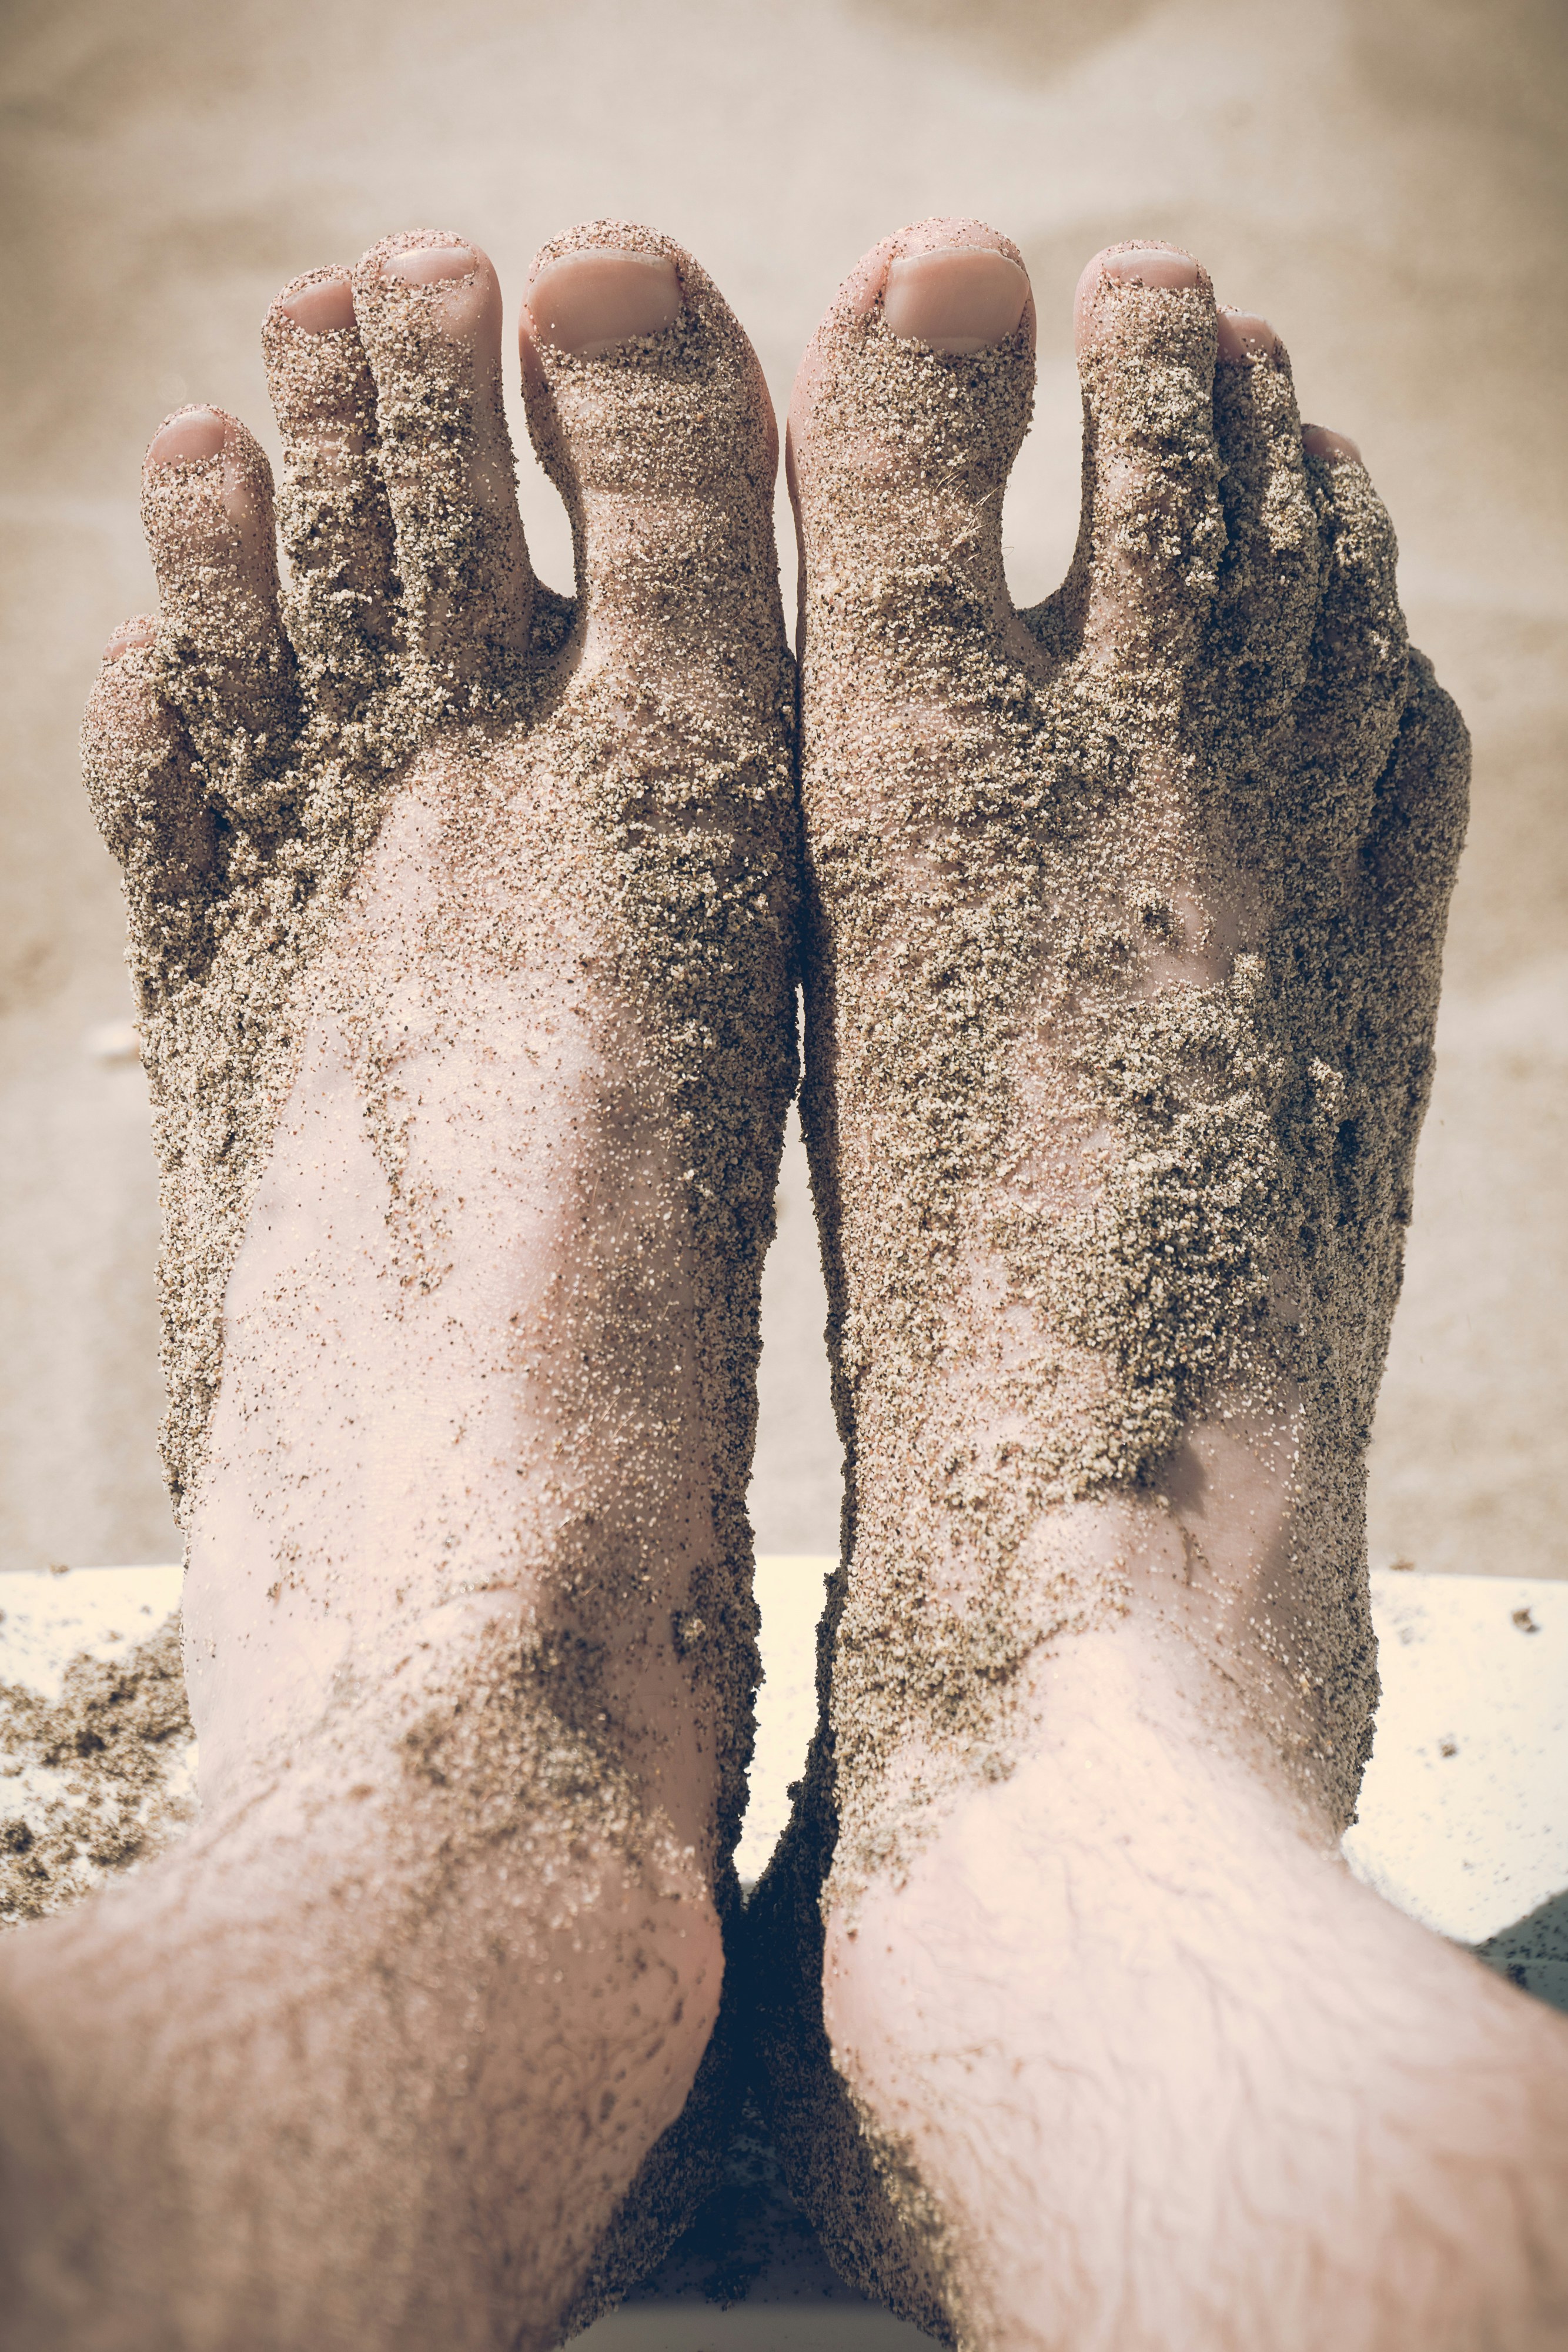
1122	924
462	927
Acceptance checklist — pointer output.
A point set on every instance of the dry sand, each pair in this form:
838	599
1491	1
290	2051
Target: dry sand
1385	181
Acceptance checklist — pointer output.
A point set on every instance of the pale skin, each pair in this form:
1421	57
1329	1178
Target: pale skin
335	2071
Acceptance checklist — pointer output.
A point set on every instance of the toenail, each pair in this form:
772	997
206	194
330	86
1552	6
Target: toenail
958	299
1150	264
429	264
128	639
588	301
1319	442
188	438
1243	335
325	309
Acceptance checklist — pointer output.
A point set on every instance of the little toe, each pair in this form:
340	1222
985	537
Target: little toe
1355	689
1268	577
1154	532
206	505
148	801
1335	449
908	410
335	522
648	409
1420	810
428	307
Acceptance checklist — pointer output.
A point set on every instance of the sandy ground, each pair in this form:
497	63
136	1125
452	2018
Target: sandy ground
1386	179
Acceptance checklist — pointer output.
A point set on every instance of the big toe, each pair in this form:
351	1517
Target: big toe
649	411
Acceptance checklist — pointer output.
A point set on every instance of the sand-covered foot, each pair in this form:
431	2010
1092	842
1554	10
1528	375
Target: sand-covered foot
1124	926
461	922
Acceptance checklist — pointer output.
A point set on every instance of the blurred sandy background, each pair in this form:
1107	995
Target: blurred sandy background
1384	178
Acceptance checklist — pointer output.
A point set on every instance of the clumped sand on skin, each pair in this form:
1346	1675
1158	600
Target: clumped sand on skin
1122	965
615	845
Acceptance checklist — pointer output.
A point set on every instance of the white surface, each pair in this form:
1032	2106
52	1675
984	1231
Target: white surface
47	1621
113	1041
789	1595
1463	1819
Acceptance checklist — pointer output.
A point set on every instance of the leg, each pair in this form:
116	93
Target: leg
461	922
1124	920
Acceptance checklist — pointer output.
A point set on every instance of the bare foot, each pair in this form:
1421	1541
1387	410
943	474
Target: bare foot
1124	923
462	920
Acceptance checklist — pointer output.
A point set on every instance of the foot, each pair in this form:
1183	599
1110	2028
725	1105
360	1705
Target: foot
461	917
1124	917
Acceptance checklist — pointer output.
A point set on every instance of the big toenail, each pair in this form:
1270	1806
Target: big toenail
187	439
1243	335
1151	264
959	299
1319	442
587	302
322	309
429	264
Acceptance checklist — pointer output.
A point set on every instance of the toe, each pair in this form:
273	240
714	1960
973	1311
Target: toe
649	411
908	411
149	804
334	520
428	307
1243	337
1268	577
1153	529
1350	707
1419	814
1418	830
207	504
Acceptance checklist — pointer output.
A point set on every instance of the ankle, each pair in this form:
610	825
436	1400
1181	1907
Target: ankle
1141	1728
1238	1609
